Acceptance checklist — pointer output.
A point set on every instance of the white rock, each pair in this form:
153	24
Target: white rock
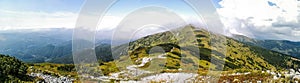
296	77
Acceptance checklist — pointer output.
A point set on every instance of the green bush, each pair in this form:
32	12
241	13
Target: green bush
12	69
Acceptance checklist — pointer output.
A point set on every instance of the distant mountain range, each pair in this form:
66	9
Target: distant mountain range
45	45
24	44
282	46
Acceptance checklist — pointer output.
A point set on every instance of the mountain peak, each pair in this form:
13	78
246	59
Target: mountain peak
238	55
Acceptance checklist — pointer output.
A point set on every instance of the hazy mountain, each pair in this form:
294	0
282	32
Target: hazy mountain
43	45
282	46
64	55
20	43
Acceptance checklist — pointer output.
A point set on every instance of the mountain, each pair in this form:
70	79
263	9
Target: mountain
20	43
45	45
51	52
103	53
282	46
63	53
180	47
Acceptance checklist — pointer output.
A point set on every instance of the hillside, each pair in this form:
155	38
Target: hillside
282	46
180	50
13	70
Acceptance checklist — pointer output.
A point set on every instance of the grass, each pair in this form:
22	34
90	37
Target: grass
52	68
124	62
156	65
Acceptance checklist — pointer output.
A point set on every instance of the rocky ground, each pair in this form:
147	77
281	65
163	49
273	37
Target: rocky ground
131	71
52	79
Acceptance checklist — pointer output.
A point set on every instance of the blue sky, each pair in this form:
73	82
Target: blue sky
41	5
176	5
74	5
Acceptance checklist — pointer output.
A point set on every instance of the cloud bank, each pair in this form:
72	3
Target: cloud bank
262	19
33	20
14	20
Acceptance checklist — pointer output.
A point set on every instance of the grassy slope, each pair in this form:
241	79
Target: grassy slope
282	46
237	56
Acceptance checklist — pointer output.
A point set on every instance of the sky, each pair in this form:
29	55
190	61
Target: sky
261	19
33	14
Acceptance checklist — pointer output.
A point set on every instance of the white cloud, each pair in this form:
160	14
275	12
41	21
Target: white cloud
131	24
12	20
2	38
257	18
127	25
109	22
34	20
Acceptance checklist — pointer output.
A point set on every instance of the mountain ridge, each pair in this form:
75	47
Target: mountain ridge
238	56
283	46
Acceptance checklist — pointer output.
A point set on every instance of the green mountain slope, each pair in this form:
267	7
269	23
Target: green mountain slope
13	70
64	55
181	46
282	46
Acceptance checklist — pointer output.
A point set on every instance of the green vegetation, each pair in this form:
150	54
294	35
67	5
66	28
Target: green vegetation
108	67
182	49
54	69
68	70
13	70
254	76
282	46
173	59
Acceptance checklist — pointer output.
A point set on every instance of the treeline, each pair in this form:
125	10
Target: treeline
12	70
